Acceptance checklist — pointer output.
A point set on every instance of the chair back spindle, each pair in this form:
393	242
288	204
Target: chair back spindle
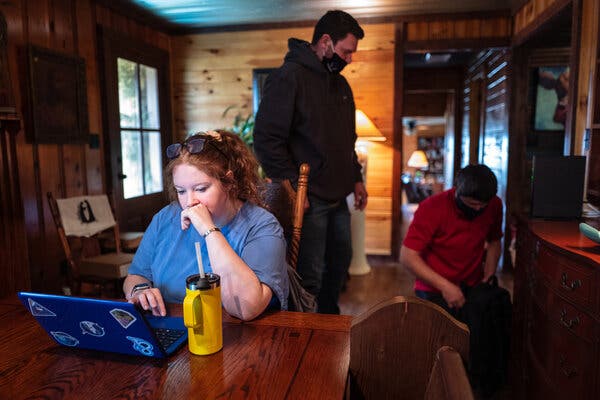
301	193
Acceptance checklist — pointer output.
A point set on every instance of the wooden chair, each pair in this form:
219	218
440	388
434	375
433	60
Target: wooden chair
393	348
288	207
448	379
85	262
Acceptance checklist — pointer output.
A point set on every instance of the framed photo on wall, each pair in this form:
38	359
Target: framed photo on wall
551	98
57	89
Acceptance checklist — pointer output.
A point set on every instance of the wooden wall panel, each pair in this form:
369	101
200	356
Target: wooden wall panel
214	71
455	29
66	26
533	11
93	160
14	265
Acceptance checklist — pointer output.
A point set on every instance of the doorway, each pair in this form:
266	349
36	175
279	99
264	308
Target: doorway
423	153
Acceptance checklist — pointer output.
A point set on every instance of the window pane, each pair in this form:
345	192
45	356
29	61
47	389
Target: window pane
131	154
128	94
152	162
149	94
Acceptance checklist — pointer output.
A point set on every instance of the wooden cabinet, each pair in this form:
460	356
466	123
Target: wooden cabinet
556	325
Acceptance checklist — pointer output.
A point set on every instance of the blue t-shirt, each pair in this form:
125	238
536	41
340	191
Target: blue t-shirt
167	254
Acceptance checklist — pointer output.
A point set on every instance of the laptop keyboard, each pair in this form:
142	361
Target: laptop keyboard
166	337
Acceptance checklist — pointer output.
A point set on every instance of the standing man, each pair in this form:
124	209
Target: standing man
449	236
307	114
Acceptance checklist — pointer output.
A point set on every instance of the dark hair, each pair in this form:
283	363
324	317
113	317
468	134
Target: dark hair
227	152
337	24
476	181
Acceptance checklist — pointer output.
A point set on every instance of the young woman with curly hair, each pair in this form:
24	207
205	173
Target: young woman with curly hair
213	180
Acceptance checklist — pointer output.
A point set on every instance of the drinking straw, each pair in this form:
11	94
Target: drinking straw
199	259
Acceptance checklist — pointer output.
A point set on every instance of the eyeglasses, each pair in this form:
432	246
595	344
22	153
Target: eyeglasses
193	146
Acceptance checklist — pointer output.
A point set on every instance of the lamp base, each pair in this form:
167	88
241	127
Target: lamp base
360	269
359	264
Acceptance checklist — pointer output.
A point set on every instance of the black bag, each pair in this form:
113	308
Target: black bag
487	313
299	299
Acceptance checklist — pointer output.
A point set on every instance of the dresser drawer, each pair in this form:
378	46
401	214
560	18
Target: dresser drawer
563	358
571	280
565	314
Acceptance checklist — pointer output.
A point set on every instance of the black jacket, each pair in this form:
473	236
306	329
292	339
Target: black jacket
306	114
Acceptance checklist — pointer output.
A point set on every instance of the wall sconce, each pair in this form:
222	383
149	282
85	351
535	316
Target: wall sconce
365	131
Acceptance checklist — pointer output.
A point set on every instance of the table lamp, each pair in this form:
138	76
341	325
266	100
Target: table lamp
365	131
418	160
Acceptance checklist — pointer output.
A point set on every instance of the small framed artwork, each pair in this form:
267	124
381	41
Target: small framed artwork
57	89
551	98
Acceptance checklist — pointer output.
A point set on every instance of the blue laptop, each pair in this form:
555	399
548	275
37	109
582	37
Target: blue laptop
105	325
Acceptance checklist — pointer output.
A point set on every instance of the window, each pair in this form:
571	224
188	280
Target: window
140	128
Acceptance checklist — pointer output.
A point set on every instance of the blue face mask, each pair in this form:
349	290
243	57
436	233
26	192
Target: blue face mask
335	63
468	212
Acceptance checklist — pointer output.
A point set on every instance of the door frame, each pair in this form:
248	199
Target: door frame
112	46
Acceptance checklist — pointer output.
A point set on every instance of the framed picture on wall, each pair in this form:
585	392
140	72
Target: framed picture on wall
551	98
57	89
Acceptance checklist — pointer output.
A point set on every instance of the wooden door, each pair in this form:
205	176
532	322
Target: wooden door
138	116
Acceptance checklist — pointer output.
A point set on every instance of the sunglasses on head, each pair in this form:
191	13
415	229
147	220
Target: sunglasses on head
193	146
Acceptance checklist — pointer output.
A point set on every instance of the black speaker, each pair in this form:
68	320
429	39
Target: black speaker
557	186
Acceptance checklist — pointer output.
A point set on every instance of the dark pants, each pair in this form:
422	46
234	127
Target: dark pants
325	251
438	299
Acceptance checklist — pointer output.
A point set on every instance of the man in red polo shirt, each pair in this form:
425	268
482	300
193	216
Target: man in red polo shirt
449	236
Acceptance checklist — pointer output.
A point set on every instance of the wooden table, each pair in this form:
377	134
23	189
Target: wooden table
280	355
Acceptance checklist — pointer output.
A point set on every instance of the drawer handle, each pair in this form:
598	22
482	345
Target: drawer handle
568	323
568	371
569	286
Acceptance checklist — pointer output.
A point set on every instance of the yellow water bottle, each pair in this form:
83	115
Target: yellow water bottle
202	313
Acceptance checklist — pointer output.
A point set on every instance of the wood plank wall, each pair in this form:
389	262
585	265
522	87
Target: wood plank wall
67	26
535	11
214	71
457	29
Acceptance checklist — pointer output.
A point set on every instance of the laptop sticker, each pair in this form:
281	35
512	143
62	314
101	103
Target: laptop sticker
142	346
38	310
91	328
124	318
65	339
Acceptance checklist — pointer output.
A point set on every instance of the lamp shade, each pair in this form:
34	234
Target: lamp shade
366	129
418	159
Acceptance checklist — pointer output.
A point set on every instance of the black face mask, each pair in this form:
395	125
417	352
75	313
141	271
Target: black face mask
468	212
335	63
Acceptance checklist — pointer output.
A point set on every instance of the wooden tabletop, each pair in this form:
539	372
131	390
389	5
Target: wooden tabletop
280	355
565	236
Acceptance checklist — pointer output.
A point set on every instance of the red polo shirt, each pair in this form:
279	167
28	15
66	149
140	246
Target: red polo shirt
450	244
